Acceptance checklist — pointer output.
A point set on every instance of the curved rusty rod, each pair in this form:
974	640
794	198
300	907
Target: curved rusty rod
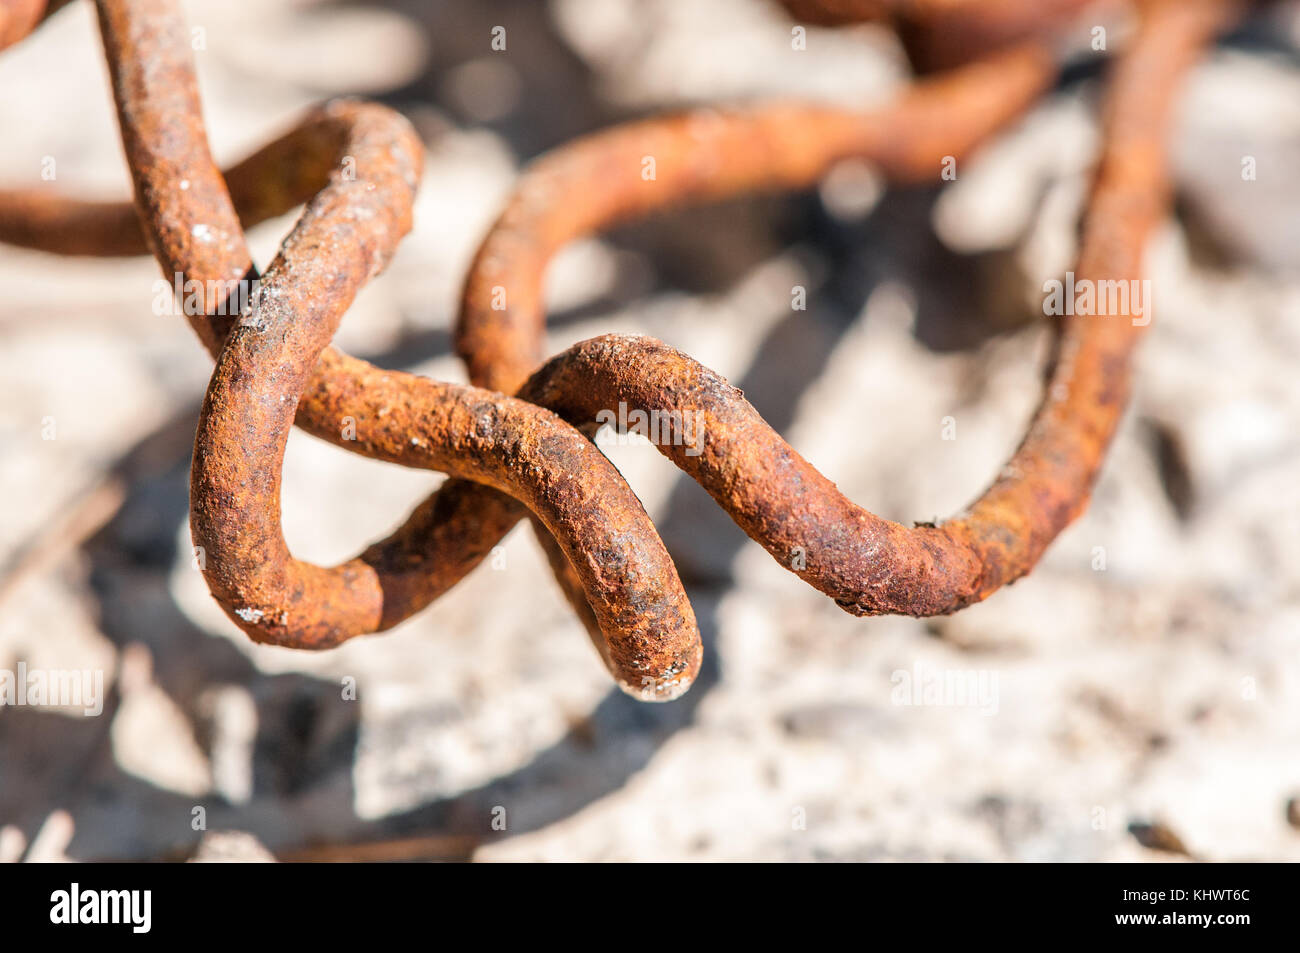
941	34
342	384
601	180
867	564
702	156
448	534
347	234
707	155
927	122
275	179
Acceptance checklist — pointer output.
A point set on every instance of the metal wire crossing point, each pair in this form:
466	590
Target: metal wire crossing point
518	442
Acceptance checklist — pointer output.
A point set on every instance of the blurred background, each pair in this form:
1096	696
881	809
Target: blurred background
1145	678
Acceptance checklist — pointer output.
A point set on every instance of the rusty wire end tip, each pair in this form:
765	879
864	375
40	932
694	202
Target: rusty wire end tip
672	683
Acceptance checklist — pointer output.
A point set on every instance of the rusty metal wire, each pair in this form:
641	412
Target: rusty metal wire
941	34
357	167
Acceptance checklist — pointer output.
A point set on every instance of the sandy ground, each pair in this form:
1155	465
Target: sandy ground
1137	697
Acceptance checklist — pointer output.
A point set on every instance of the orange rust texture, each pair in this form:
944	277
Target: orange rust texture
941	34
448	534
275	368
276	178
705	155
346	234
867	564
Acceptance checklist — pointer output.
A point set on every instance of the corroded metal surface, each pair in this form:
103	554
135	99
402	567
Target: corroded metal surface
275	179
598	181
357	166
867	564
346	235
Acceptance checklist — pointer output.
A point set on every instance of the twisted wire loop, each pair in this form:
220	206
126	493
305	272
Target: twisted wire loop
346	234
868	565
357	166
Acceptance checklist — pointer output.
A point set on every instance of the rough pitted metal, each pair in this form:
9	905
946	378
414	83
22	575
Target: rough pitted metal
346	235
357	167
